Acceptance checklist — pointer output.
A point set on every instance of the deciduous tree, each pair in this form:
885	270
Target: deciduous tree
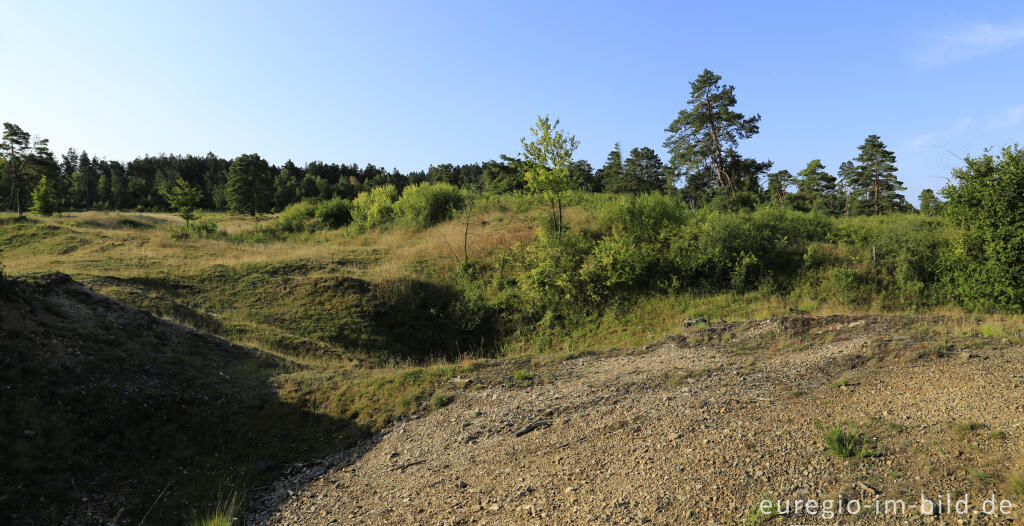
549	158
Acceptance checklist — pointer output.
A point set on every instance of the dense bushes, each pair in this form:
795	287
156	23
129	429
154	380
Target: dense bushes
986	266
425	205
653	244
312	215
374	208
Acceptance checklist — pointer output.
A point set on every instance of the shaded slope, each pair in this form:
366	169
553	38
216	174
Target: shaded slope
102	406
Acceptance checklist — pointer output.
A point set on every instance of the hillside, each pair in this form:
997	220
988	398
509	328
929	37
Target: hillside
108	413
697	429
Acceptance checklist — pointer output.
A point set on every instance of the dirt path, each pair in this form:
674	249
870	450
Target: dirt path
694	430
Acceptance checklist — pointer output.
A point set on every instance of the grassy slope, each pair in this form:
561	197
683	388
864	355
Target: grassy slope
359	322
103	406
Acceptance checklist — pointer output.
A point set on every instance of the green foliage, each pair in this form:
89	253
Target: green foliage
986	266
249	187
375	208
549	160
183	199
703	138
842	443
427	204
872	182
44	199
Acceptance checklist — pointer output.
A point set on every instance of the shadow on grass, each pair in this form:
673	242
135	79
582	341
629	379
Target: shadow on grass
107	411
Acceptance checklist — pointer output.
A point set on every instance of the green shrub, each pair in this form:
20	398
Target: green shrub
985	268
333	213
296	217
201	227
425	204
375	208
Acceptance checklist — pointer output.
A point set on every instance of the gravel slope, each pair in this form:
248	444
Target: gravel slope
693	430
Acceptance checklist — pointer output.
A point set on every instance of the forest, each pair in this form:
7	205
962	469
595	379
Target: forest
704	168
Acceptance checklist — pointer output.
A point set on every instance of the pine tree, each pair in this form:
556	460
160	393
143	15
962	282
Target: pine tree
847	176
249	188
876	176
703	138
643	171
611	173
777	184
44	198
816	185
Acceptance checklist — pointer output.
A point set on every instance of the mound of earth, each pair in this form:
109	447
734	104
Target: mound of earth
698	430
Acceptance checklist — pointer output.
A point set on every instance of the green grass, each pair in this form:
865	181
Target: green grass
965	429
442	399
844	444
522	376
760	512
841	382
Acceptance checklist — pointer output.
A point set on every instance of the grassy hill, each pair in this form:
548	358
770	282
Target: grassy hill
205	364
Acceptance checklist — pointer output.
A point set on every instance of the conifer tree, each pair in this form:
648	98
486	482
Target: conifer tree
703	138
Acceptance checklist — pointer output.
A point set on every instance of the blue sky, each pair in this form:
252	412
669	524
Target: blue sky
408	84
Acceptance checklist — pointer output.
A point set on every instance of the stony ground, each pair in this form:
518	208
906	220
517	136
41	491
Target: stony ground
695	430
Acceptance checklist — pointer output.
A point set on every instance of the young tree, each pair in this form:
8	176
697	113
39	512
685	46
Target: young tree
44	198
777	184
184	198
549	158
249	188
876	174
704	136
643	171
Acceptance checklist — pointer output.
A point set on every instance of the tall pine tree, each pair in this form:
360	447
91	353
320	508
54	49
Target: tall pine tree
249	188
875	177
704	136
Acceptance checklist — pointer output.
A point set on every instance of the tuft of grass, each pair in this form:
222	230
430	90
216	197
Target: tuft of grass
844	444
841	382
522	376
997	435
225	513
964	429
983	477
442	399
760	512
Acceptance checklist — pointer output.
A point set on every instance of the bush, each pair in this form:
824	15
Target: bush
333	213
200	227
296	217
425	204
985	269
374	208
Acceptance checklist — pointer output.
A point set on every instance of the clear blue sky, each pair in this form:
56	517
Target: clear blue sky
408	84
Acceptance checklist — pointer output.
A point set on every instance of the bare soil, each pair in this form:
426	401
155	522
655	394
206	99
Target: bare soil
694	430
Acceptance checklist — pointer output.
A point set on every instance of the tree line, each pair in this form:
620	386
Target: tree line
704	167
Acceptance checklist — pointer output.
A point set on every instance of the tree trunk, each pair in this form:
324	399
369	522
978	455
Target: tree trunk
716	153
876	188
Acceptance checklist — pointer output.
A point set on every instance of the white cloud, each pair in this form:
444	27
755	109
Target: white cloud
970	42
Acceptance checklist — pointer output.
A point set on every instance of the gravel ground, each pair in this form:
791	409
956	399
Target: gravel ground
694	430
